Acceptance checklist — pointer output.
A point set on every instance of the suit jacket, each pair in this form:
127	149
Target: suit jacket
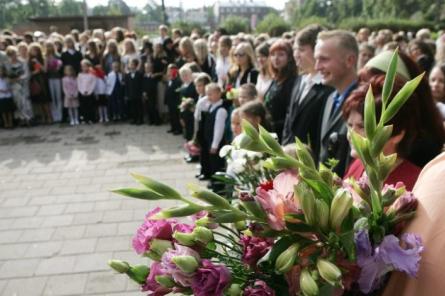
172	97
133	85
277	100
303	119
333	137
189	91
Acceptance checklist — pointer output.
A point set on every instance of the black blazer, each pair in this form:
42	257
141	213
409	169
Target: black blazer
333	137
134	86
277	100
172	97
303	120
72	60
189	92
250	76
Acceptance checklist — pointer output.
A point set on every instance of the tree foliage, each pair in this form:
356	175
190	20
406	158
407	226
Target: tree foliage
235	25
273	24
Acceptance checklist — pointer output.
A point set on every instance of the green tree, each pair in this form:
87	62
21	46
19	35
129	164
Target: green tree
273	24
235	24
100	10
70	7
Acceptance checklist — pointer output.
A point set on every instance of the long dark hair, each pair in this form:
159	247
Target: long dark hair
423	116
290	69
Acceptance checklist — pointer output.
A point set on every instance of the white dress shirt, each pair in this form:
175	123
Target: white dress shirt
220	123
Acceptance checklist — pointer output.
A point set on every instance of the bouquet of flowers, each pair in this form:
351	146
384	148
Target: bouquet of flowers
301	231
231	92
187	104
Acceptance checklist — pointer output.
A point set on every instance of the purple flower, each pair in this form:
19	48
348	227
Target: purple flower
210	280
152	229
170	268
184	228
259	288
254	248
388	256
404	204
151	284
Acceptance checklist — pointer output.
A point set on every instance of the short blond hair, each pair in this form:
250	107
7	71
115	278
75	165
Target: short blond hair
346	40
213	87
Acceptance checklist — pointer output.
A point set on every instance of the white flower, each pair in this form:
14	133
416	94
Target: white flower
253	155
274	135
238	165
225	150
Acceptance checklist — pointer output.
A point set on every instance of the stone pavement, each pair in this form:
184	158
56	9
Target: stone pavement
59	224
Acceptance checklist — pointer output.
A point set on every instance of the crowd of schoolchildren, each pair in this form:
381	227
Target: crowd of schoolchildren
204	86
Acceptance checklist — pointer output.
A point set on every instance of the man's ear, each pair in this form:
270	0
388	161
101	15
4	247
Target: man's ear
351	60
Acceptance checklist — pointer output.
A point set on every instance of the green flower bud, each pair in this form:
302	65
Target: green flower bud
270	142
329	271
181	211
281	163
119	265
341	204
360	224
187	264
166	191
286	260
158	248
202	235
234	290
304	155
204	221
307	284
240	225
185	239
228	217
307	201
250	130
254	208
381	137
322	210
165	281
209	197
139	273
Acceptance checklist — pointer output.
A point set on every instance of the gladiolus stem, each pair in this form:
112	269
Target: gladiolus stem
228	247
229	229
227	237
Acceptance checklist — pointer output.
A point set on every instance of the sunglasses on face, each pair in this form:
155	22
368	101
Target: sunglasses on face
239	54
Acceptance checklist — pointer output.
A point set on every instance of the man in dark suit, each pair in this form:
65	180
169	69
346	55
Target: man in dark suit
336	54
133	92
308	96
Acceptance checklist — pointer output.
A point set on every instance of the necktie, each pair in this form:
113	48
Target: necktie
335	104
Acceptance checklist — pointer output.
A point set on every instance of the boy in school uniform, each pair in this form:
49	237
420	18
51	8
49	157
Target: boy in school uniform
173	99
115	91
150	84
133	91
211	132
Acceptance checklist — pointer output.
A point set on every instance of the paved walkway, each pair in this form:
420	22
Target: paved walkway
58	223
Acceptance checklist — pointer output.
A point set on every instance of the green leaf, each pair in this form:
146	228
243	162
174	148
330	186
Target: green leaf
181	211
381	138
227	217
157	187
299	227
370	119
400	98
389	78
347	241
303	154
249	130
139	193
270	142
209	197
321	188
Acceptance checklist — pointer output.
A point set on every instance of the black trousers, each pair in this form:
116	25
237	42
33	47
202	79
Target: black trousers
173	112
152	110
189	122
87	106
210	163
137	112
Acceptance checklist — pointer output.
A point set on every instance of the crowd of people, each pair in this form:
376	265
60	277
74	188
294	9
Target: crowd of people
309	84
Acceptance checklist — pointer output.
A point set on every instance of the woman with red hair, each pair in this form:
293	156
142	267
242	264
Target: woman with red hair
407	129
284	73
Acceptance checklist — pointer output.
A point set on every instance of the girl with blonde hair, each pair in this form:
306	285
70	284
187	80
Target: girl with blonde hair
205	61
243	71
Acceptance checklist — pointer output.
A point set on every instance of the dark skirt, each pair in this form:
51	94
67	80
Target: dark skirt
7	105
102	100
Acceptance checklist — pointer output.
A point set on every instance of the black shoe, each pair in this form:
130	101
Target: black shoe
191	159
170	131
177	133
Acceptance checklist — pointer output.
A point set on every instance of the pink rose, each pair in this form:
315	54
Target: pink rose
254	248
210	280
152	229
259	288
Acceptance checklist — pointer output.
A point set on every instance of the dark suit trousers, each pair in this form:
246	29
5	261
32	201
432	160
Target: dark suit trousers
173	112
